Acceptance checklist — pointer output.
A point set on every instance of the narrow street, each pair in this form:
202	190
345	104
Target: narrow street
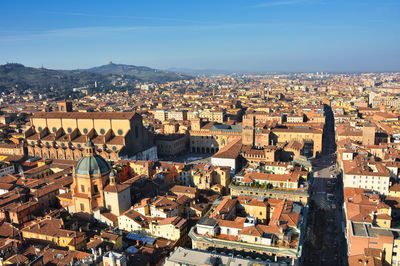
325	242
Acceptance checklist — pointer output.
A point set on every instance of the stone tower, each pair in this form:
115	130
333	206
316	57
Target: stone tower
64	106
195	124
368	135
248	125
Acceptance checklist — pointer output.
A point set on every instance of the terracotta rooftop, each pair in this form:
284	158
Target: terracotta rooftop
85	115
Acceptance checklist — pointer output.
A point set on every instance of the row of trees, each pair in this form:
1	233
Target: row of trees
255	185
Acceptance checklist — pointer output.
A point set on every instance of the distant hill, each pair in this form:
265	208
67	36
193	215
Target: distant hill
139	72
12	75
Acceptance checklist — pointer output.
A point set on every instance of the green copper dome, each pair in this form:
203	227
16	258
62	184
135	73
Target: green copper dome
92	165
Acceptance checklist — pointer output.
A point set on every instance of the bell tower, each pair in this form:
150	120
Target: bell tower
64	106
248	126
195	124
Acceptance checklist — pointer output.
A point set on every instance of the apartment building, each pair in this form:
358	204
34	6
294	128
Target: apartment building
366	174
276	233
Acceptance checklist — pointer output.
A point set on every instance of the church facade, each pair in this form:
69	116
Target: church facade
62	135
95	187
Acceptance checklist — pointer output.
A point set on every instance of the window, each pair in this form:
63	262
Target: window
79	146
82	207
82	188
54	129
102	131
85	131
40	129
114	148
96	189
69	130
120	131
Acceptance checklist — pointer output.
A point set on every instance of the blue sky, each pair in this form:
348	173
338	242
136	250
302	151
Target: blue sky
242	35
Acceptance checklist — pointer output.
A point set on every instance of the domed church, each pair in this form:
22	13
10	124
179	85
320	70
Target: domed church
91	178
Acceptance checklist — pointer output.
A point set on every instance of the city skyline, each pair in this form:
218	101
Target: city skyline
245	36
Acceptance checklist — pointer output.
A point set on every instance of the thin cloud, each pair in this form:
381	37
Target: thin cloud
89	32
280	3
84	32
130	17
